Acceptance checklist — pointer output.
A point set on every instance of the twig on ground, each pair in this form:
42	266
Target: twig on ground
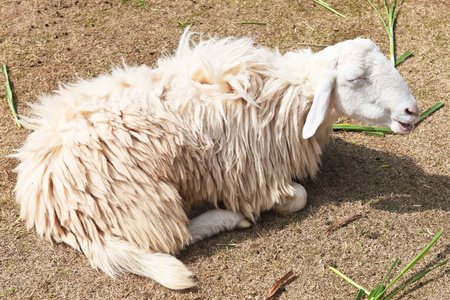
312	44
289	275
341	223
252	23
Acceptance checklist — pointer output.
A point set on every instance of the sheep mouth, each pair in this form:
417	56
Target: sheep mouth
405	127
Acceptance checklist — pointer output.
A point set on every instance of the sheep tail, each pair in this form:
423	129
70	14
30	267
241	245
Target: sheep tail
116	256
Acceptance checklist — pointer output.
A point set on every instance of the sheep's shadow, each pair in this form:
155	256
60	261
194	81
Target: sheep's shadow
349	173
356	173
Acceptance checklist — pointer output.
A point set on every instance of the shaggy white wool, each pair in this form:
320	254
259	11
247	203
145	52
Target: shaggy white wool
114	163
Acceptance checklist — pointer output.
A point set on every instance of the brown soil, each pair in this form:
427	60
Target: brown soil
403	206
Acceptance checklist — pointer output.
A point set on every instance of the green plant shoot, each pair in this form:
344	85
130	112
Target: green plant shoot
392	13
377	293
9	95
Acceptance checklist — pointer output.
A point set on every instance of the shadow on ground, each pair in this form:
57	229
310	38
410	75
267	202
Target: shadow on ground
349	173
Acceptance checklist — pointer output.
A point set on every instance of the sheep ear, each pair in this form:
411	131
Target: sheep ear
320	105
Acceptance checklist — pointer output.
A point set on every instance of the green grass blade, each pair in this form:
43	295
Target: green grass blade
392	47
349	280
403	57
392	14
9	95
360	128
414	261
375	133
378	292
418	277
429	112
328	6
360	294
397	9
385	7
389	272
382	20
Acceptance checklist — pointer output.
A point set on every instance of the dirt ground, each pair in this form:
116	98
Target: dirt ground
403	206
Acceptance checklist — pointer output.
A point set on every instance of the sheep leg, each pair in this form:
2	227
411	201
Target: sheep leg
215	221
293	204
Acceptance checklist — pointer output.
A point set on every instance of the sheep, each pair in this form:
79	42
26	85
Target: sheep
115	164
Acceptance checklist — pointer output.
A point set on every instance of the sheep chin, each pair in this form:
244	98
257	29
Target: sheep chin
402	128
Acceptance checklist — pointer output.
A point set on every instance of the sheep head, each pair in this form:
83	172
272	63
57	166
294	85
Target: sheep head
357	80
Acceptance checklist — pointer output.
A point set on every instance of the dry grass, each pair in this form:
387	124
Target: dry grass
44	42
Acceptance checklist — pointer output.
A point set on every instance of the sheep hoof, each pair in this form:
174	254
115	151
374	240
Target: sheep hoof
244	224
295	204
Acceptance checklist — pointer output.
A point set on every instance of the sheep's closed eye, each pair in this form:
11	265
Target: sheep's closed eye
354	76
357	81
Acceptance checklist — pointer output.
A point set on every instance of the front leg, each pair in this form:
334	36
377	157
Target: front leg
293	204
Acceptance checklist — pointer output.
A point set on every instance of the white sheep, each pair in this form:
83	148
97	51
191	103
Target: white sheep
115	163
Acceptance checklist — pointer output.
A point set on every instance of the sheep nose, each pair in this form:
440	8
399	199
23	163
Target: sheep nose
413	112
